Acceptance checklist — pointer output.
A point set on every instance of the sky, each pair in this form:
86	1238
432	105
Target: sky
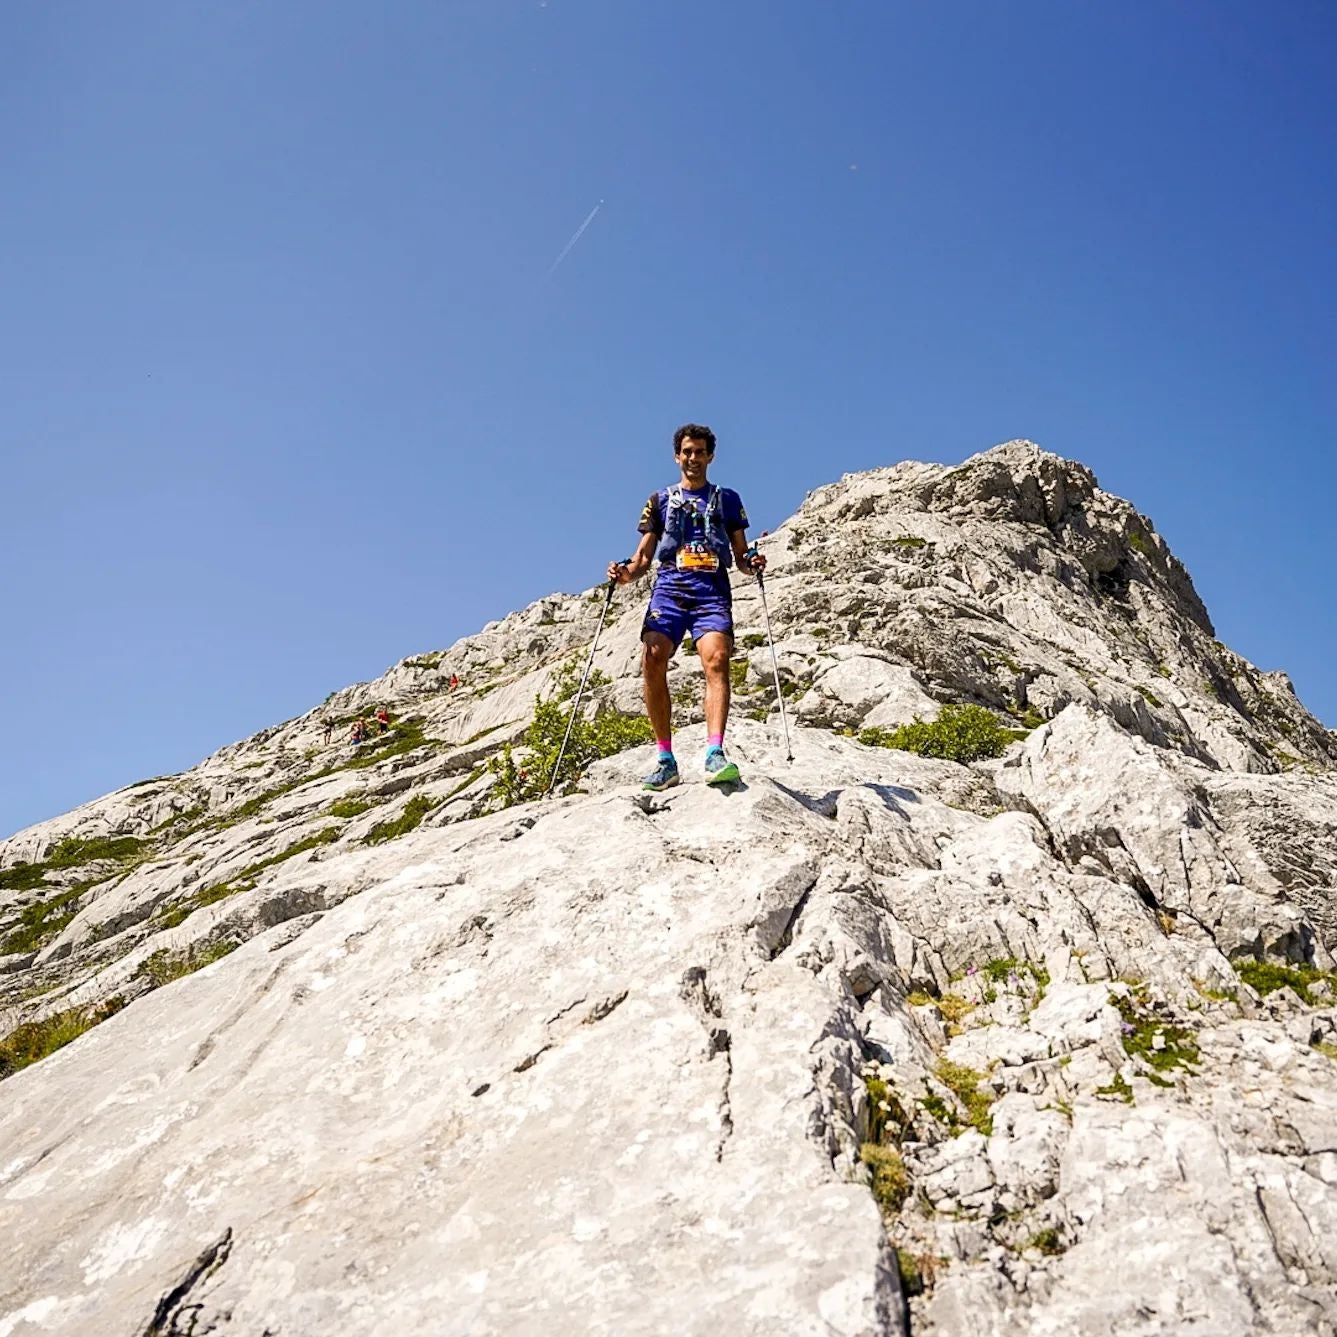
298	375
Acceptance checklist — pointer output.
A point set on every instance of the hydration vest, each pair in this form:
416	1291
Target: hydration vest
678	527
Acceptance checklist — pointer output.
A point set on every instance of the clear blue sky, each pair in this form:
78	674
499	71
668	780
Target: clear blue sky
288	391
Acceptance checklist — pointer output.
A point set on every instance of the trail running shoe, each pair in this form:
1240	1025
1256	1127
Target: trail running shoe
664	775
719	769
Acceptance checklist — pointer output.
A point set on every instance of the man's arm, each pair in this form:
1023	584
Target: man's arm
735	521
639	564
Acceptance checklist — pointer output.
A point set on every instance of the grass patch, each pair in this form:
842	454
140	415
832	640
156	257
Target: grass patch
163	967
754	639
401	738
960	733
1160	1045
1118	1087
483	733
178	913
1010	969
73	852
912	1278
1266	978
1138	543
685	694
1327	1050
474	775
23	877
1149	697
907	542
964	1084
738	675
350	807
414	811
954	1007
424	661
1048	1241
890	1182
34	1040
41	922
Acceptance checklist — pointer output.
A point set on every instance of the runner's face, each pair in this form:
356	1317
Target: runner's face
693	458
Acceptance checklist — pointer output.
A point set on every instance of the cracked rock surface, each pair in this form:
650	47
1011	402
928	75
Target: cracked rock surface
872	1044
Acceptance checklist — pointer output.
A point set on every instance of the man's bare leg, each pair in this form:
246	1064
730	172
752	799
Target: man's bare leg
656	651
714	648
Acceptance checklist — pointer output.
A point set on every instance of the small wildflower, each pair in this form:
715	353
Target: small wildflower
1127	1027
971	970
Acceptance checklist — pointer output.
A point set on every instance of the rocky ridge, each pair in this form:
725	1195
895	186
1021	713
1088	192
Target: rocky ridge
628	1063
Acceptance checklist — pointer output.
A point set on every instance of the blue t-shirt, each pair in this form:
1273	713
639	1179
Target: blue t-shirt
694	500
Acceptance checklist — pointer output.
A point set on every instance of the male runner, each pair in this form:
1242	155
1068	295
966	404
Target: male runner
694	531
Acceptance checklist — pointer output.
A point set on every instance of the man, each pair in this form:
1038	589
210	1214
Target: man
693	532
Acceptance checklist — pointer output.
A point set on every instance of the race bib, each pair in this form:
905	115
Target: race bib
697	557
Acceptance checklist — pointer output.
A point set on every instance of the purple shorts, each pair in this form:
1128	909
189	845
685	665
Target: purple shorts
677	607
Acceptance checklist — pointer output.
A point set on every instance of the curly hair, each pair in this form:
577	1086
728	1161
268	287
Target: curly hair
697	433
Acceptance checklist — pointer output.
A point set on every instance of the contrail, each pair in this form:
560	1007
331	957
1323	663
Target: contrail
566	250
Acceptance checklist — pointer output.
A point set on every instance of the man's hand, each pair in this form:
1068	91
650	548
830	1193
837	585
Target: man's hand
756	562
618	573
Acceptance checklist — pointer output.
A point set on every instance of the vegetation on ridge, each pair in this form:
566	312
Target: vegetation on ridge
960	733
525	772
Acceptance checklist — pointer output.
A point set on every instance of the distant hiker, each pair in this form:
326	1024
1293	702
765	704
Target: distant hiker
692	532
359	731
454	681
383	719
329	729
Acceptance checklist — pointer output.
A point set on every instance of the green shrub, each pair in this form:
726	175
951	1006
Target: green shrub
960	733
1139	543
754	639
909	541
526	774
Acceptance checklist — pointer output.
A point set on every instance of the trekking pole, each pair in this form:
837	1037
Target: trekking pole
580	691
775	663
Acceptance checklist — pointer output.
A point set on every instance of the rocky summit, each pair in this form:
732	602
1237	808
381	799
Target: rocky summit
1005	1007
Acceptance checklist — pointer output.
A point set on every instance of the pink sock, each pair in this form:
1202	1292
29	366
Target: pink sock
665	746
714	740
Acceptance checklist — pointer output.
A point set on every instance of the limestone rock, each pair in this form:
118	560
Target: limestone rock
376	1056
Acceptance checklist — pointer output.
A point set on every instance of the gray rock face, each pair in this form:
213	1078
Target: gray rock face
630	1063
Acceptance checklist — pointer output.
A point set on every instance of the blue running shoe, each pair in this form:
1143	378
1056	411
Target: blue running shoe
719	769
664	775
